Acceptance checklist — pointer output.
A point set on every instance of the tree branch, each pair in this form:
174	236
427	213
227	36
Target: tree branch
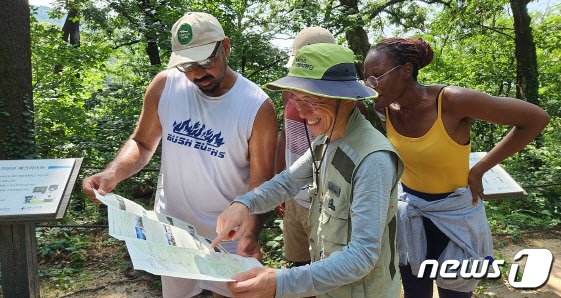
280	59
127	43
376	11
382	8
496	30
398	19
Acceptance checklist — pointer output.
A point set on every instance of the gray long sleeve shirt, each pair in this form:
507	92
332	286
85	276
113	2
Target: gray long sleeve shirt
372	182
466	226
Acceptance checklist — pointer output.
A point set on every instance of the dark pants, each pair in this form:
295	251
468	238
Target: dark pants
414	287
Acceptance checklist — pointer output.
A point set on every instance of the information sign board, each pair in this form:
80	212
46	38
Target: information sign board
36	189
497	183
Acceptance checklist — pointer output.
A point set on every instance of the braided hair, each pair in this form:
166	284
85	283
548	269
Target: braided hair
406	50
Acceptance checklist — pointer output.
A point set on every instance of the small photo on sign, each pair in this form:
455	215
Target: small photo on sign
40	189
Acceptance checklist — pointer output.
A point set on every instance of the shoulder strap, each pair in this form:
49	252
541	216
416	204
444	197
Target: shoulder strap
439	101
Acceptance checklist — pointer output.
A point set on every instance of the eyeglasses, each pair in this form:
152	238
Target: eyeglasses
308	103
204	64
372	81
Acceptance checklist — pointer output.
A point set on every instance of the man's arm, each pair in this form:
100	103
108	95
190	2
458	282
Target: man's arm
280	157
138	150
280	164
373	183
233	221
262	147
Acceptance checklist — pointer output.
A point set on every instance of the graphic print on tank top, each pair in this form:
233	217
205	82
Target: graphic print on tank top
197	136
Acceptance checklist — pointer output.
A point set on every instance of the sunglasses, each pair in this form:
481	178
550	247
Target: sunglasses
372	81
204	64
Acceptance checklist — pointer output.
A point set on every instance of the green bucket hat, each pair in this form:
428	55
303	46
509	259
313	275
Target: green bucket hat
326	70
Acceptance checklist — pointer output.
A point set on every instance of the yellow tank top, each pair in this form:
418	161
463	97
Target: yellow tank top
434	162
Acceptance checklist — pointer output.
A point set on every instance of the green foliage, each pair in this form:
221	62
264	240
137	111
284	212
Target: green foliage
476	50
547	35
87	100
64	252
272	243
18	144
64	78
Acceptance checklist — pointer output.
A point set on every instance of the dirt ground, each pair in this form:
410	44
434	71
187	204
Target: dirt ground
550	240
98	282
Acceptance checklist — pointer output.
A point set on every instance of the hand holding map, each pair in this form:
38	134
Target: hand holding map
164	245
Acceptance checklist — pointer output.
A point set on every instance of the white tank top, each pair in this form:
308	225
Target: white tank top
205	139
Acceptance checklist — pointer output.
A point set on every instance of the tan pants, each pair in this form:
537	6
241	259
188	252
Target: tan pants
296	232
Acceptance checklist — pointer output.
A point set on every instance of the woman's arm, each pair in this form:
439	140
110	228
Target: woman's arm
527	119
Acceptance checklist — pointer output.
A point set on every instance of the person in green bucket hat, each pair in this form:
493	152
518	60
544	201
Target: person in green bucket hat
351	172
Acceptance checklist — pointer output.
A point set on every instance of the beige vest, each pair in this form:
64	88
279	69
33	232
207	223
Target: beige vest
330	213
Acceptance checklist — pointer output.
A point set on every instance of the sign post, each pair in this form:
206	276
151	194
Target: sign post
19	260
31	191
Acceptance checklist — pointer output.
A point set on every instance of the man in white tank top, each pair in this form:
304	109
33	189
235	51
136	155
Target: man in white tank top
218	133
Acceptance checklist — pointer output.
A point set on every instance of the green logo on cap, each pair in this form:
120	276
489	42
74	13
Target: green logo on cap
184	34
302	62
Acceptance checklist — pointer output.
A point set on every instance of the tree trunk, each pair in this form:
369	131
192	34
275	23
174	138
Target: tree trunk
71	28
526	60
355	34
153	52
152	49
70	33
17	140
358	41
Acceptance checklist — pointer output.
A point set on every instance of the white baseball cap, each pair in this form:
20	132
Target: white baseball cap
308	36
194	37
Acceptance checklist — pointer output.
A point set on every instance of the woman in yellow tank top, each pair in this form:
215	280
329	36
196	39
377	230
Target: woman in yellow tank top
429	125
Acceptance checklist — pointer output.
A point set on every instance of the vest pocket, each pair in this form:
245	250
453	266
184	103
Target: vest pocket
341	292
334	221
336	206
